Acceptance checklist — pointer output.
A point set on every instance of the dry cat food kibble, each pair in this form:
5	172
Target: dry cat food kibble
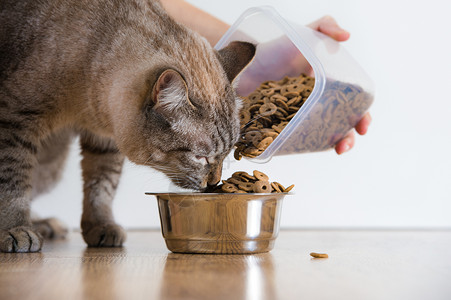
242	182
268	110
319	255
273	104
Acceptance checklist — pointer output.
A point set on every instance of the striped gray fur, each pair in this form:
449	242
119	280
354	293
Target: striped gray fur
126	78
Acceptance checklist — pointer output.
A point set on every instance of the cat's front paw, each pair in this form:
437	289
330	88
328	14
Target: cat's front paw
20	239
107	235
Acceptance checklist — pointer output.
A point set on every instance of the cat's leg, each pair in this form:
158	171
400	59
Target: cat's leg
51	158
52	155
19	147
101	167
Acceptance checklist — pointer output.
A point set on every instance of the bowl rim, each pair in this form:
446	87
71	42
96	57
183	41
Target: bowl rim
210	194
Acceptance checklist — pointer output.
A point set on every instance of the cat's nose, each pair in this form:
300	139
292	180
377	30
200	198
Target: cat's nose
213	183
215	176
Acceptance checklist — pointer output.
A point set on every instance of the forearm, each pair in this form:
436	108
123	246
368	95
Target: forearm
196	19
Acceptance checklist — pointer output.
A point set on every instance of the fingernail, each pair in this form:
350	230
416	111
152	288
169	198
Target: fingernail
346	148
344	35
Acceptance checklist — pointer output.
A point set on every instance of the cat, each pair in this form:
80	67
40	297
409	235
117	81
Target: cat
126	78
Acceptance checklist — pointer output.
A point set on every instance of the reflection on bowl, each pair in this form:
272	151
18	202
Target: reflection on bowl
219	223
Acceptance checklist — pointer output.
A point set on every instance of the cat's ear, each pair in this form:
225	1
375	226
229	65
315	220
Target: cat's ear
235	57
170	94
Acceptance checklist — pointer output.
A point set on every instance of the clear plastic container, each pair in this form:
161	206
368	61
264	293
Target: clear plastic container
342	93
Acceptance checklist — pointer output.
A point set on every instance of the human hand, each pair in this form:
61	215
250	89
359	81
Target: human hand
329	27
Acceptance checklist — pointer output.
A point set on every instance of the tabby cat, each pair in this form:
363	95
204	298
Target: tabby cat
131	82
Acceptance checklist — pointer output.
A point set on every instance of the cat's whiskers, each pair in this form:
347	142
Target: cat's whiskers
147	161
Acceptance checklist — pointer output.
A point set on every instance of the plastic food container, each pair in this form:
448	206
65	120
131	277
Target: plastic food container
219	223
342	93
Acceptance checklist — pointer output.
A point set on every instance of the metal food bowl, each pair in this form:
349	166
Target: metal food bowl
219	223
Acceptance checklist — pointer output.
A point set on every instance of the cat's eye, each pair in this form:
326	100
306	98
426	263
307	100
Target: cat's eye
202	159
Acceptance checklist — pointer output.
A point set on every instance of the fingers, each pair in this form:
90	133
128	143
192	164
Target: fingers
329	26
364	123
346	143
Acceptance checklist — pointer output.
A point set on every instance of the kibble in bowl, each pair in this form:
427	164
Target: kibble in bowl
242	182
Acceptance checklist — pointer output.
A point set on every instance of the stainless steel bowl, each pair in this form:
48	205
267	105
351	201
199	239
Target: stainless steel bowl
219	223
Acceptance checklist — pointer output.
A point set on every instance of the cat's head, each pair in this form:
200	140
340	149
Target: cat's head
190	118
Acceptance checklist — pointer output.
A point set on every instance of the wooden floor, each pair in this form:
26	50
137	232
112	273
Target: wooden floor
361	265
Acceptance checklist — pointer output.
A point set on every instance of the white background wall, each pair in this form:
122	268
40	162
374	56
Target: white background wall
398	175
